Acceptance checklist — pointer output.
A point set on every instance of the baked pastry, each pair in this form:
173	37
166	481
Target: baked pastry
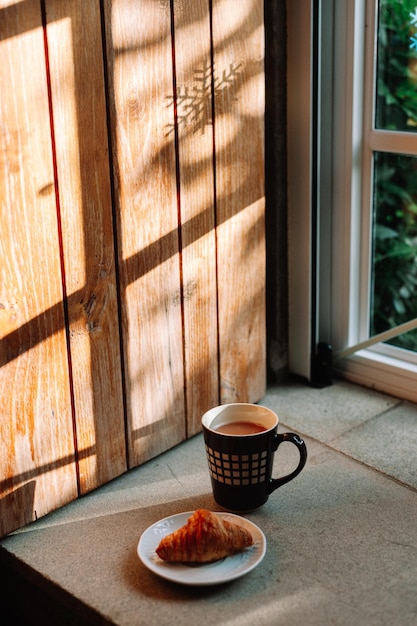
205	537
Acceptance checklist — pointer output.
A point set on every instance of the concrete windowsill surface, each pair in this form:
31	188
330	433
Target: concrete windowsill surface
341	537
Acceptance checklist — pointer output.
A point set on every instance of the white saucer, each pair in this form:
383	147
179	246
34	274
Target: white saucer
222	571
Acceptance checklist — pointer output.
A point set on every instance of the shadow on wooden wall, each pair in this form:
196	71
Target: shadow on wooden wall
133	281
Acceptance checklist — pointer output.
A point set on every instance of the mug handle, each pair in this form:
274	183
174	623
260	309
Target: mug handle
274	483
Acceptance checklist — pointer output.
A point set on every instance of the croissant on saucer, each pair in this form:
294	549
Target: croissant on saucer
204	538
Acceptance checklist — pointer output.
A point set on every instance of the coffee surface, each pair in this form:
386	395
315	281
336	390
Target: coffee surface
243	427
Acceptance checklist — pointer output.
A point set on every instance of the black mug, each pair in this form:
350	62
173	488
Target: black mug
240	440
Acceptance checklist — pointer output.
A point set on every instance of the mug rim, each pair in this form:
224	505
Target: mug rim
217	410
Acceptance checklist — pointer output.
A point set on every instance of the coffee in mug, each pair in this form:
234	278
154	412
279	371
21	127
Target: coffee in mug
241	440
240	428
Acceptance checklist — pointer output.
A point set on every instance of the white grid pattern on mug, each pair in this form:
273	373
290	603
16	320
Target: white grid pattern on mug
235	469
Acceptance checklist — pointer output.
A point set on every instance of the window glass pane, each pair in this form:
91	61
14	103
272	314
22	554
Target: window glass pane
394	259
396	82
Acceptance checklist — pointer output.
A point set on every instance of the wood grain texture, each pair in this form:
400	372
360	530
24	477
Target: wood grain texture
178	248
37	462
197	210
238	53
82	157
140	70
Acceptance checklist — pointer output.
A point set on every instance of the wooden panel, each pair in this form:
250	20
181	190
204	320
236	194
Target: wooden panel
79	114
195	147
238	43
37	466
189	244
140	71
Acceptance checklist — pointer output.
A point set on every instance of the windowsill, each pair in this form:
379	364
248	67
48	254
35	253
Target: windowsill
374	428
336	536
380	372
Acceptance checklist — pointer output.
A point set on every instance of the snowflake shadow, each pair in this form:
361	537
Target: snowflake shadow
194	104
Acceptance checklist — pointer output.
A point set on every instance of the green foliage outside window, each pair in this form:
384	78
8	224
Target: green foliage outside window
396	106
394	287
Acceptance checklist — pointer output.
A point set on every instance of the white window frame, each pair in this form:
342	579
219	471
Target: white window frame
342	166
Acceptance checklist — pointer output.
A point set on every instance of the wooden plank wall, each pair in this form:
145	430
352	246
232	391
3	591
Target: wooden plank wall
84	194
139	54
192	45
238	53
37	459
132	293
